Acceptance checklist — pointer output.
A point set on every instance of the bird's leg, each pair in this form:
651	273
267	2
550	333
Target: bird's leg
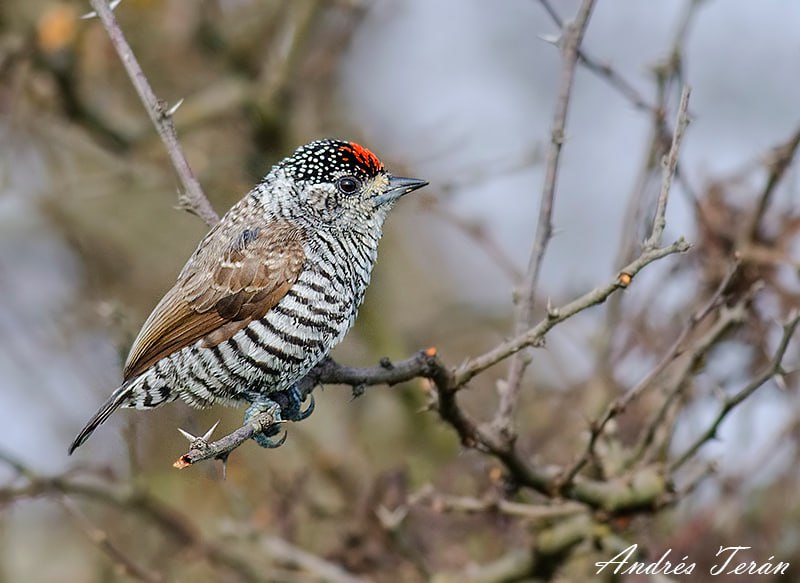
286	406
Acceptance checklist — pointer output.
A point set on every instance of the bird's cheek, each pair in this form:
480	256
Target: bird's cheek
325	208
316	200
319	202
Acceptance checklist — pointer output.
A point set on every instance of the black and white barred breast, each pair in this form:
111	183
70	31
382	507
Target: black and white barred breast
275	351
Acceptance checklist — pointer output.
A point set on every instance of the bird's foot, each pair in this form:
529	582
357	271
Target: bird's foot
284	406
293	409
264	437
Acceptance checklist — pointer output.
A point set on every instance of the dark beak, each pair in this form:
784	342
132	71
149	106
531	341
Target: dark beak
399	186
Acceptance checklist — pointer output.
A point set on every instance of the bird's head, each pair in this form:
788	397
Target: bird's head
339	183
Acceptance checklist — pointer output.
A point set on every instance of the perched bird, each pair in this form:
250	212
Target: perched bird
268	292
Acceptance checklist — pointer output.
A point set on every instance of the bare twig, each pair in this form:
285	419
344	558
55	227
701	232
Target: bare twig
642	490
779	161
731	402
296	559
200	449
469	505
678	347
100	538
535	335
526	298
728	318
192	198
669	164
604	70
666	74
619	404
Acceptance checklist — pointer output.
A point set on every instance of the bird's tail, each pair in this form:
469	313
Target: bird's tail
116	399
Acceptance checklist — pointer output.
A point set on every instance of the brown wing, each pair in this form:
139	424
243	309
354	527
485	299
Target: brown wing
236	276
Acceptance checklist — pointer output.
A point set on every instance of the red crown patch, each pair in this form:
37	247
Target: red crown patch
363	157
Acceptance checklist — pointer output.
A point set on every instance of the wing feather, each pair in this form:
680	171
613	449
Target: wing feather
235	276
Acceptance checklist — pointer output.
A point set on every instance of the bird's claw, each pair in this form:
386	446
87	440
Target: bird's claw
284	406
303	413
265	440
291	404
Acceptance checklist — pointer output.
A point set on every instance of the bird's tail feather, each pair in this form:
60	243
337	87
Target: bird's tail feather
116	399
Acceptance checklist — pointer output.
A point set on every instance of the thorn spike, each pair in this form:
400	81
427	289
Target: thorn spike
171	111
187	435
208	433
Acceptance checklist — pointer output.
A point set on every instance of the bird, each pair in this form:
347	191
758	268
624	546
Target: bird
269	291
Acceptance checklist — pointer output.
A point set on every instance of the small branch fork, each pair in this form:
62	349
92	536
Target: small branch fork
604	70
669	165
729	403
678	348
641	491
422	365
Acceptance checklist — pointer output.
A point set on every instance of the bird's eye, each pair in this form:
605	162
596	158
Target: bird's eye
348	184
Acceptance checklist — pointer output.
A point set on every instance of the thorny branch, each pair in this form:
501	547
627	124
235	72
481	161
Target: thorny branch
556	315
667	74
727	318
641	490
603	70
731	402
669	165
422	365
526	297
192	198
779	162
678	348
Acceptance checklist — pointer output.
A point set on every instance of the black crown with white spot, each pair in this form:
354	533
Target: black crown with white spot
326	160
